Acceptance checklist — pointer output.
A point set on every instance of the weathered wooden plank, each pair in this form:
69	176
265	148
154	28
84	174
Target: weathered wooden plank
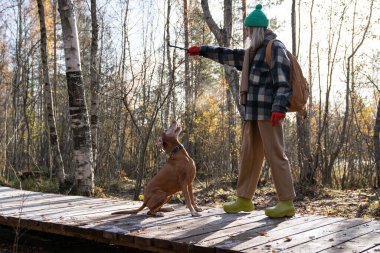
141	222
178	231
361	244
6	190
336	236
17	200
118	234
16	197
183	241
285	238
52	203
116	231
202	241
162	235
129	223
66	230
375	249
239	238
61	205
76	213
32	195
107	236
56	207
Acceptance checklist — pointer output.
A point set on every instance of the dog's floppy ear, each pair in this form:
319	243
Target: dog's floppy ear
160	144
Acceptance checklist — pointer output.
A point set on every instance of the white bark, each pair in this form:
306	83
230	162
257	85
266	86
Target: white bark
84	174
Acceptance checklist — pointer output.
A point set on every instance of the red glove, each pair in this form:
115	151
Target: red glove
276	117
194	50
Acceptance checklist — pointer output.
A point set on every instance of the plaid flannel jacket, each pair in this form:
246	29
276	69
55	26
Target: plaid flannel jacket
269	88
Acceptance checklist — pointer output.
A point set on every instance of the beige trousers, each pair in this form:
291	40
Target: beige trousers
261	138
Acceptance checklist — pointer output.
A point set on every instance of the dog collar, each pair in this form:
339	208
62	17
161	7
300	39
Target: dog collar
176	149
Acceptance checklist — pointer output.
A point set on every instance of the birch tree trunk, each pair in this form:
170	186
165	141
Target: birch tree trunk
94	82
84	173
56	157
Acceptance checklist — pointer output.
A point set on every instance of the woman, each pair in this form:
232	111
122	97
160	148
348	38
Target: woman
265	92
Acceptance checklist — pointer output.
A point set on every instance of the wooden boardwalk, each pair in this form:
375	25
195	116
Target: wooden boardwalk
214	231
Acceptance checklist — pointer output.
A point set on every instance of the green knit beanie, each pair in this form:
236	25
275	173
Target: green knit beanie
257	18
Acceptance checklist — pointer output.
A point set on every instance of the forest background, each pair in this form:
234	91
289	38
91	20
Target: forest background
134	84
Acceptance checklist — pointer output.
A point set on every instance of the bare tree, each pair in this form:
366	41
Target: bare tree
327	180
171	65
372	79
56	157
188	97
376	143
84	173
244	15
55	65
305	158
4	98
321	156
16	83
223	37
94	82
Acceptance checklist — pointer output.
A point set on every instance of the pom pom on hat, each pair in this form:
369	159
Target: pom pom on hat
257	18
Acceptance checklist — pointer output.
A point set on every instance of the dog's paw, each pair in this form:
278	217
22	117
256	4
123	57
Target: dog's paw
195	214
166	209
198	209
156	214
160	214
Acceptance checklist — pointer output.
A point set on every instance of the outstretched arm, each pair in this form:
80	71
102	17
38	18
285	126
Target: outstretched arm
223	55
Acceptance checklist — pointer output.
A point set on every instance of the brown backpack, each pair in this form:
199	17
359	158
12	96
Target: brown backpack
300	87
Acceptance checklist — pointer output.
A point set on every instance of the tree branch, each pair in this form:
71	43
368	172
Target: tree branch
211	23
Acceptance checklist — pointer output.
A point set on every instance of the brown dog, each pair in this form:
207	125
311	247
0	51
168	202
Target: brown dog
176	175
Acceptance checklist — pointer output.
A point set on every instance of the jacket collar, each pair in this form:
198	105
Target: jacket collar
269	35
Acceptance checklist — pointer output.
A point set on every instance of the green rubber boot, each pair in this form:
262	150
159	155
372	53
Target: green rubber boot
239	205
284	208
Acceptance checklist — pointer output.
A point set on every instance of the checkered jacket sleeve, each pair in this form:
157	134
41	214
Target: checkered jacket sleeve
280	72
227	56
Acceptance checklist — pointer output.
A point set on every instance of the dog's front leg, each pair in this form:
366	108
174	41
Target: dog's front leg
190	188
186	194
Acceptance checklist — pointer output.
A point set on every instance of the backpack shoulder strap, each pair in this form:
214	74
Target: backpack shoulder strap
268	51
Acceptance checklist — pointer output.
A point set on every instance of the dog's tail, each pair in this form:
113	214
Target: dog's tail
135	211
